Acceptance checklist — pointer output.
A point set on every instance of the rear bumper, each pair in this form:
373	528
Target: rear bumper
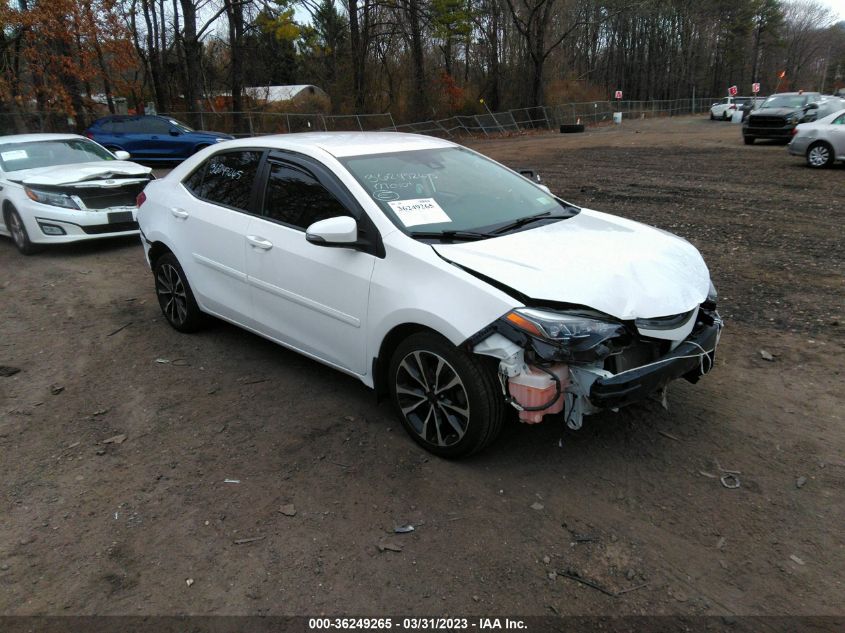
687	360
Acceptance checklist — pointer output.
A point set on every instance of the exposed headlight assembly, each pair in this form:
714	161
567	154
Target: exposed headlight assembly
53	199
792	120
582	337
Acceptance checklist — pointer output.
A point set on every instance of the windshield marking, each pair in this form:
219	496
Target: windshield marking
419	211
18	154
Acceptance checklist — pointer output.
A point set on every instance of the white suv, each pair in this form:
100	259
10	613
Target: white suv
725	108
432	274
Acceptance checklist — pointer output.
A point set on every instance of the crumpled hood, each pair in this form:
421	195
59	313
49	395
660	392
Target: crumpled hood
622	268
80	172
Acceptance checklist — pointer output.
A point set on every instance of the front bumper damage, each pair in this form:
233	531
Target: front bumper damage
581	386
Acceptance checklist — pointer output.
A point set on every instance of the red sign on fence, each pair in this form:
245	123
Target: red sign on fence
618	94
755	88
732	91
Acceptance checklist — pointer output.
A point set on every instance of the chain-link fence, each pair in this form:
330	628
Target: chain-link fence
550	117
488	124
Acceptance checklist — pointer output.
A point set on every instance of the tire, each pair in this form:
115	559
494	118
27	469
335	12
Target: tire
175	296
748	140
712	117
820	155
572	128
19	235
449	401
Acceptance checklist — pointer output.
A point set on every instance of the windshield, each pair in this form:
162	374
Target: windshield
18	156
449	189
180	126
785	101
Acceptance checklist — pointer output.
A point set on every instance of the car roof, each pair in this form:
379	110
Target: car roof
344	144
34	138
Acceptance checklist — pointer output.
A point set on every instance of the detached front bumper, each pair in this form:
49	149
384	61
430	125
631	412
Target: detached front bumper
691	359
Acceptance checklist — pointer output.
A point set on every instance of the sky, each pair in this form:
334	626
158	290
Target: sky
838	7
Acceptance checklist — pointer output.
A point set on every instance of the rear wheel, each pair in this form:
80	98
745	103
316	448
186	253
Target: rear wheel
447	400
175	295
820	155
19	235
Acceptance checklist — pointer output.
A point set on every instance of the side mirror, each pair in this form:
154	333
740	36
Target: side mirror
546	189
121	155
340	231
174	132
812	106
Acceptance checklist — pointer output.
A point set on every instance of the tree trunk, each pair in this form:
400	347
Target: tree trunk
419	95
193	62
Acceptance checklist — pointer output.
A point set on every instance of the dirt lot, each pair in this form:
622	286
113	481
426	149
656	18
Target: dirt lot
628	502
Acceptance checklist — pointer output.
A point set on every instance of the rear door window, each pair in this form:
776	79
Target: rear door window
226	179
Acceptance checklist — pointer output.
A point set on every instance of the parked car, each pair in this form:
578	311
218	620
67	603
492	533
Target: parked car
151	138
822	142
778	115
57	188
724	108
430	273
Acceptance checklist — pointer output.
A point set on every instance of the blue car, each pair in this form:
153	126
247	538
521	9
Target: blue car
151	138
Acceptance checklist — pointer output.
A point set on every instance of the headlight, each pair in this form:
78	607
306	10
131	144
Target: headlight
582	337
54	199
793	119
712	295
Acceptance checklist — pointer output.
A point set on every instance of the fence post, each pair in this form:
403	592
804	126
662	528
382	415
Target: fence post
392	122
546	116
251	129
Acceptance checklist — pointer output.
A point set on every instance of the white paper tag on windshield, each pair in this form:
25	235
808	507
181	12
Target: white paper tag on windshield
419	211
17	154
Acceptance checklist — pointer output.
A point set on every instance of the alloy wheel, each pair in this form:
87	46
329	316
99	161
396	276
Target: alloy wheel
818	156
432	398
17	230
171	293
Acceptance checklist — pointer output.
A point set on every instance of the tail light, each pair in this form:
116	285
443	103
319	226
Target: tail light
733	107
89	135
794	131
141	199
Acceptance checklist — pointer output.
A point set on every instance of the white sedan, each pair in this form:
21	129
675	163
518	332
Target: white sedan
431	273
58	188
821	142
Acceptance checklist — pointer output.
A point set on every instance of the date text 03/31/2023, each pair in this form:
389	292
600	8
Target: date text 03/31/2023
414	624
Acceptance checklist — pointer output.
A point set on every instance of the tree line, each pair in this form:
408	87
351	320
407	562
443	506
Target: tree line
418	59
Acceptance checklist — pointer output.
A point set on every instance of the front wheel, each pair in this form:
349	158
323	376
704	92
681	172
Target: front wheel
748	140
175	295
448	400
820	155
19	234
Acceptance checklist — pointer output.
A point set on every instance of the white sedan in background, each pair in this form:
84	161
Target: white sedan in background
431	273
821	142
58	188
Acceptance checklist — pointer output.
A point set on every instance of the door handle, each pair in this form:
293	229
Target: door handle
179	213
259	242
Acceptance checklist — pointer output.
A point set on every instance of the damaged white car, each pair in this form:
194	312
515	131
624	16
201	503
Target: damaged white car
433	274
58	188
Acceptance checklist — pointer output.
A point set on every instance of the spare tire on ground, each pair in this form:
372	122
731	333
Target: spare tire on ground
571	128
